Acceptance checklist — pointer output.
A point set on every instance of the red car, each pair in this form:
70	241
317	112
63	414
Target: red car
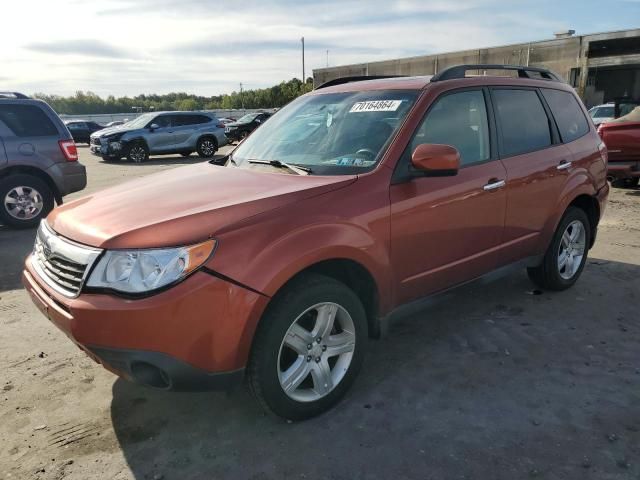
350	202
622	138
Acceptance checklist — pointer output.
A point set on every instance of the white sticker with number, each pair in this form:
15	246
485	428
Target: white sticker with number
376	106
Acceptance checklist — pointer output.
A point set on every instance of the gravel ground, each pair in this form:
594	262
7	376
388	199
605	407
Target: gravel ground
495	380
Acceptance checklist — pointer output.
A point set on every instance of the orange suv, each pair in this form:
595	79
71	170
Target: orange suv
351	201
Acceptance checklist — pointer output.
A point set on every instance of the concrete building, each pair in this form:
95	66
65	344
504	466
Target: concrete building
601	66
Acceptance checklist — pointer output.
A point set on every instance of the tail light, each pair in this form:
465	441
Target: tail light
600	130
69	150
220	125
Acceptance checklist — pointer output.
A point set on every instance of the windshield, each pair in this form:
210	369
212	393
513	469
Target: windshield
332	134
140	121
602	112
247	118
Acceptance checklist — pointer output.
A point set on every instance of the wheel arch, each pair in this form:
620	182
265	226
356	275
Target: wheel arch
589	204
35	172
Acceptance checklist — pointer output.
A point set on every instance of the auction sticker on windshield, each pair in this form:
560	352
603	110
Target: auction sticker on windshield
376	106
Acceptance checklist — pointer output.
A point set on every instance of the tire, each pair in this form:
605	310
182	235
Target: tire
631	182
138	153
299	304
207	147
550	274
34	195
185	154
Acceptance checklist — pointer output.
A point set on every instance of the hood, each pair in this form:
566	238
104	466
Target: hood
108	131
182	206
237	124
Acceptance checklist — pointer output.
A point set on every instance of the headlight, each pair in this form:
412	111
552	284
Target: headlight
142	271
232	128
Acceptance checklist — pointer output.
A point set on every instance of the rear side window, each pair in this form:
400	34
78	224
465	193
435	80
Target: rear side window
460	120
27	121
568	114
524	125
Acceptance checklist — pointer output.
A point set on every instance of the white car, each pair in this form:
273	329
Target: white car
602	113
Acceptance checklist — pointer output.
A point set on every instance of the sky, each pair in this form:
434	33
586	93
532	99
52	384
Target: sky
206	47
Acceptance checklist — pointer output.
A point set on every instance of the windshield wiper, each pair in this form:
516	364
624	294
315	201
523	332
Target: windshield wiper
279	164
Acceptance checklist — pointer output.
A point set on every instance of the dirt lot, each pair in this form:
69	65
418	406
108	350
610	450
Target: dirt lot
494	381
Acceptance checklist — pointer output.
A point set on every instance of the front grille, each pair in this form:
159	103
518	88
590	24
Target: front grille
60	263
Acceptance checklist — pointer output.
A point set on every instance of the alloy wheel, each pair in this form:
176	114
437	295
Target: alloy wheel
572	249
207	147
316	352
137	153
23	203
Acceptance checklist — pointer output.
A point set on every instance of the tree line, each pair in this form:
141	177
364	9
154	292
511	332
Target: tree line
85	103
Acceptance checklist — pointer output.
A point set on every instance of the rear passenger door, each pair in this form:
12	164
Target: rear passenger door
535	160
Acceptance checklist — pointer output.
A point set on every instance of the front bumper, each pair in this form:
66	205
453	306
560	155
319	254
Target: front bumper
194	336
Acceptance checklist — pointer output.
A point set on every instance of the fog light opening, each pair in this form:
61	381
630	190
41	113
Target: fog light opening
150	375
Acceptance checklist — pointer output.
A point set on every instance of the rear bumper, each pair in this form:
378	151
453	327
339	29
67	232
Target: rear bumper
194	336
68	177
623	170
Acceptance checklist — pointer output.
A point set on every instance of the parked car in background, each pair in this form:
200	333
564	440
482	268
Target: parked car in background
239	130
281	265
161	133
81	131
38	160
226	120
602	113
622	138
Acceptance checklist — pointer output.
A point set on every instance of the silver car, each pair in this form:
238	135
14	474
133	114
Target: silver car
160	133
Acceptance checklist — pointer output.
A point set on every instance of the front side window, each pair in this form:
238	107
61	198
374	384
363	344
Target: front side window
329	133
523	122
27	121
460	120
571	122
162	121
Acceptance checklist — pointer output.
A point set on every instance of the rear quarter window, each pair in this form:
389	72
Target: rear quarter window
27	121
570	118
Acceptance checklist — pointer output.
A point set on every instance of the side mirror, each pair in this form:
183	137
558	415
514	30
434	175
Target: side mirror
154	126
434	160
258	120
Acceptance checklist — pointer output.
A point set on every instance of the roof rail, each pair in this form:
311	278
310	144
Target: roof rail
343	80
459	71
12	95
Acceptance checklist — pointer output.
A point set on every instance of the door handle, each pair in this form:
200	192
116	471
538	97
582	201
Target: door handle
563	165
493	184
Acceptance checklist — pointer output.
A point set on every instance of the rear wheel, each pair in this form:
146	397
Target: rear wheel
25	200
566	256
138	153
206	147
309	348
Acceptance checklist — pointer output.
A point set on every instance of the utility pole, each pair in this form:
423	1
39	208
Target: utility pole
304	78
241	97
327	58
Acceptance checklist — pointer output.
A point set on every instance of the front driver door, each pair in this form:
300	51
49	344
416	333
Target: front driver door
162	138
446	230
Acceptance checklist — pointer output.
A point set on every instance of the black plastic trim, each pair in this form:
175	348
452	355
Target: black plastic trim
180	376
359	78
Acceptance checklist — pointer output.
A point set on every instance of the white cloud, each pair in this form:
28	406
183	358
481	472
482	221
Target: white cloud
201	46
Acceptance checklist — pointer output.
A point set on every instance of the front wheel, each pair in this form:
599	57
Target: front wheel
630	182
138	153
566	256
309	348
